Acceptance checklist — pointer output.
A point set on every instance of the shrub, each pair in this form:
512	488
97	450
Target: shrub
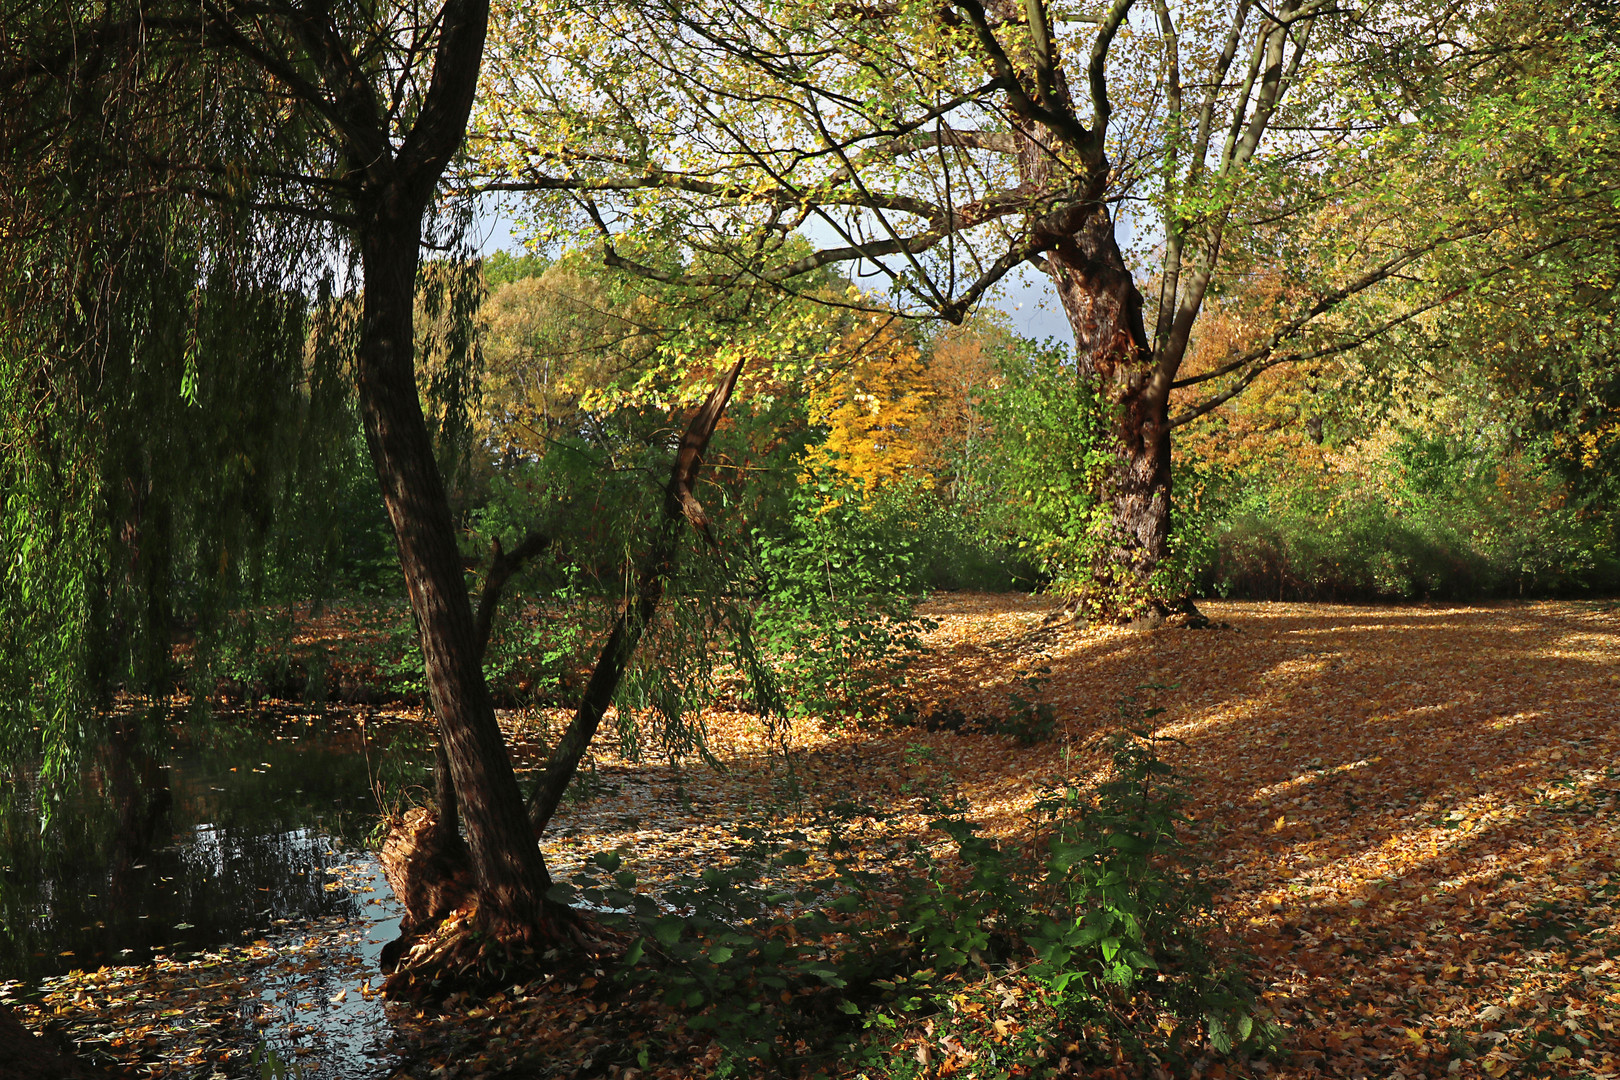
835	599
1430	518
1095	942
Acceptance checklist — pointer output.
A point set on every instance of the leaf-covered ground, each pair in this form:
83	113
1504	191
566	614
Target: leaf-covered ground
1414	809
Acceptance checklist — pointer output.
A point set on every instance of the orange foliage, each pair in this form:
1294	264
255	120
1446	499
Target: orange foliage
871	406
1269	422
962	373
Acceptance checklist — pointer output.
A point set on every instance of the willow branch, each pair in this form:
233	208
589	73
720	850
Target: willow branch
680	507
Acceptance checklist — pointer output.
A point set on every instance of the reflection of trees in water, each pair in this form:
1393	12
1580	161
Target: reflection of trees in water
165	845
241	879
139	789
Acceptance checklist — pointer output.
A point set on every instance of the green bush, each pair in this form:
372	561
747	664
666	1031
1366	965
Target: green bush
1111	922
1101	938
1438	519
961	547
835	596
1052	453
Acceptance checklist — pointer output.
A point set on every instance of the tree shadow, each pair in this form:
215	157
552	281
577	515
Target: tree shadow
1344	752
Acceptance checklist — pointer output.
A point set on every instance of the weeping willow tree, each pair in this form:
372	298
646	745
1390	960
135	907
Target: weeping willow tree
265	138
165	394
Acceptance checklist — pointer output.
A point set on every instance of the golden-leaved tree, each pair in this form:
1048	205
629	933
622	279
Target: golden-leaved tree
871	405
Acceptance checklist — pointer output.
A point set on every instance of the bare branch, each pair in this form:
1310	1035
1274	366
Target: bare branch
1170	279
1262	360
268	206
1045	59
1097	70
1061	123
1346	345
1327	302
1209	406
502	565
1212	92
732	194
441	125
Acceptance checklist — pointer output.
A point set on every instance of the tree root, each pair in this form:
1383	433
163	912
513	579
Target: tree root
430	870
468	951
1179	614
447	942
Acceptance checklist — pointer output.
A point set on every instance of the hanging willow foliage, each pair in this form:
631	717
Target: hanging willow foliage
170	397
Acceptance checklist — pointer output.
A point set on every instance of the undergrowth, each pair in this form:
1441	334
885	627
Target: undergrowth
1093	945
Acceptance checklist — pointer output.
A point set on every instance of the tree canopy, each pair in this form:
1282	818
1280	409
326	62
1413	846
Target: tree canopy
940	147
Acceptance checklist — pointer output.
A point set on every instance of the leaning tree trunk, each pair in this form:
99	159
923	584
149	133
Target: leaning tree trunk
1114	357
680	509
509	872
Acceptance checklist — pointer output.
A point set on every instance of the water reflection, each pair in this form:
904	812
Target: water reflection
318	1007
183	837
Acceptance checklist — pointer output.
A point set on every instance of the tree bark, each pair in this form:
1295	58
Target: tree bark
509	871
390	181
1115	360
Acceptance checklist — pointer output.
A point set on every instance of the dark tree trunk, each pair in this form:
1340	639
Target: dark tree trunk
1115	360
508	869
1114	357
390	182
680	509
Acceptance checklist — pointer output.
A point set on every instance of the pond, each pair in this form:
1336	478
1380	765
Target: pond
208	880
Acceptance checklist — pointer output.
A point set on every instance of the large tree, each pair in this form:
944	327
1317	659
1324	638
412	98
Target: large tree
939	146
344	116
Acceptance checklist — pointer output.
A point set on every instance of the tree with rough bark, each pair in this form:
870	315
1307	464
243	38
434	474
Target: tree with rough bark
1143	154
352	114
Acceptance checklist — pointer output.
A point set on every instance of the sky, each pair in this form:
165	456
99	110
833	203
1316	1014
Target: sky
1026	296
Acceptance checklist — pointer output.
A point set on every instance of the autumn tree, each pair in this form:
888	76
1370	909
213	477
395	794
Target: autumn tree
963	373
588	372
869	405
941	146
1530	344
1521	340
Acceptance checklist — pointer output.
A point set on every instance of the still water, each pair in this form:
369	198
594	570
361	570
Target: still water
228	844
